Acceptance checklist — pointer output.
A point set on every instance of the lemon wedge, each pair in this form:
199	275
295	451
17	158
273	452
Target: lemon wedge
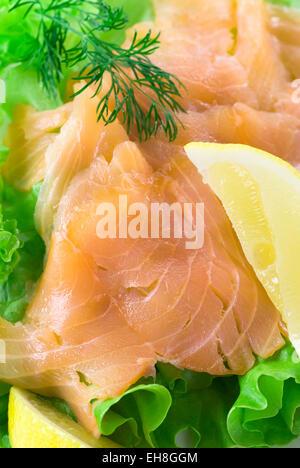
35	423
261	195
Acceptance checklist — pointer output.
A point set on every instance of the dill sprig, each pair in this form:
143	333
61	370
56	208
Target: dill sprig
140	93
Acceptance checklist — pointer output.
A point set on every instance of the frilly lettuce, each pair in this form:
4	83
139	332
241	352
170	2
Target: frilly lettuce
200	404
188	409
183	408
135	415
267	411
21	251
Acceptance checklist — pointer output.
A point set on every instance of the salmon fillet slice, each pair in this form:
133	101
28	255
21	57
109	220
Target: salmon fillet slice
276	132
28	137
258	51
240	88
107	309
284	23
195	43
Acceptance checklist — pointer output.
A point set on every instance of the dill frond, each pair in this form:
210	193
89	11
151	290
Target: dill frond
132	74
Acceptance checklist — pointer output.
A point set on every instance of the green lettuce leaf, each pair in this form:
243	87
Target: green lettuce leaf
61	406
137	12
21	251
267	411
133	417
182	409
189	409
200	404
18	41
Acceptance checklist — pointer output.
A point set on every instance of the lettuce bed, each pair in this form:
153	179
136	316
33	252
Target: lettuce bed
260	409
181	408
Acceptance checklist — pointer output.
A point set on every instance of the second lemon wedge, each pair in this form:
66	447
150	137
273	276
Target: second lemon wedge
261	195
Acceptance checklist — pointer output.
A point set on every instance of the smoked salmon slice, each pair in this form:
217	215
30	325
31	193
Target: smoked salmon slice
284	24
259	53
195	43
276	132
28	137
107	309
241	85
